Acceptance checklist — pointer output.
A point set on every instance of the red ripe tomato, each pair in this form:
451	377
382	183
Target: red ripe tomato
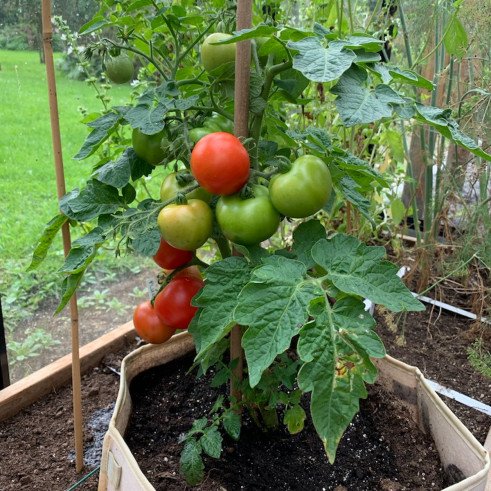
192	272
173	303
169	257
220	163
148	326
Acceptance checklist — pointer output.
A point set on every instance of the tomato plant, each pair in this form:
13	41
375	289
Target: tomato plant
169	257
304	189
186	226
247	221
220	163
318	99
120	69
149	326
173	304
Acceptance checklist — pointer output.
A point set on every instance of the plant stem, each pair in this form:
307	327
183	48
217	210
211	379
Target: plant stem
141	53
258	121
340	17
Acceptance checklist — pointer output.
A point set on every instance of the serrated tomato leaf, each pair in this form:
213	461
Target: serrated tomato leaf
274	306
304	238
211	442
191	464
334	370
318	63
358	269
217	301
44	243
102	128
359	104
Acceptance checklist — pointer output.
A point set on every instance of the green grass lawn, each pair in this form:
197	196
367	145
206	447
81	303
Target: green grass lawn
27	176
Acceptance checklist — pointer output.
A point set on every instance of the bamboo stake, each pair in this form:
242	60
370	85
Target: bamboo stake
241	129
60	186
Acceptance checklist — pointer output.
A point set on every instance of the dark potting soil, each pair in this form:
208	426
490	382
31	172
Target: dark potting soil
382	448
436	342
36	445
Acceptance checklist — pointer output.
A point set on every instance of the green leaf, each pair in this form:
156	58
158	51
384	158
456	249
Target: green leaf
350	190
358	269
318	63
262	30
68	287
95	24
78	259
317	140
335	394
455	39
255	253
191	464
304	238
147	117
148	242
355	325
448	127
211	442
220	378
46	239
96	199
292	82
82	252
138	4
391	73
116	174
294	419
397	210
217	301
274	306
231	424
361	41
103	127
357	104
359	170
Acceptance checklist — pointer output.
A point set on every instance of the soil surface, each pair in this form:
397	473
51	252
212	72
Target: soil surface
36	446
94	320
382	448
436	342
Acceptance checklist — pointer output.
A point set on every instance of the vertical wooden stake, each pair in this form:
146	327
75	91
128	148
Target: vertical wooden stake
60	186
241	129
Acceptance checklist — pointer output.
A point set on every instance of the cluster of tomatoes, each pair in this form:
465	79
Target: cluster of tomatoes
171	309
220	165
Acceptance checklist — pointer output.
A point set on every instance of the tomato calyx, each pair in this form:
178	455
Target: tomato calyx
164	278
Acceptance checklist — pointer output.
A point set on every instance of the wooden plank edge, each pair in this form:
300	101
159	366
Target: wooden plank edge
25	392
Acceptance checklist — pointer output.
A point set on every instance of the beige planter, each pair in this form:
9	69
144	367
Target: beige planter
455	444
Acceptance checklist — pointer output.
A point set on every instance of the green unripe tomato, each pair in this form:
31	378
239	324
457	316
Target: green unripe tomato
219	123
149	147
196	134
247	221
213	56
170	187
120	69
303	190
186	226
